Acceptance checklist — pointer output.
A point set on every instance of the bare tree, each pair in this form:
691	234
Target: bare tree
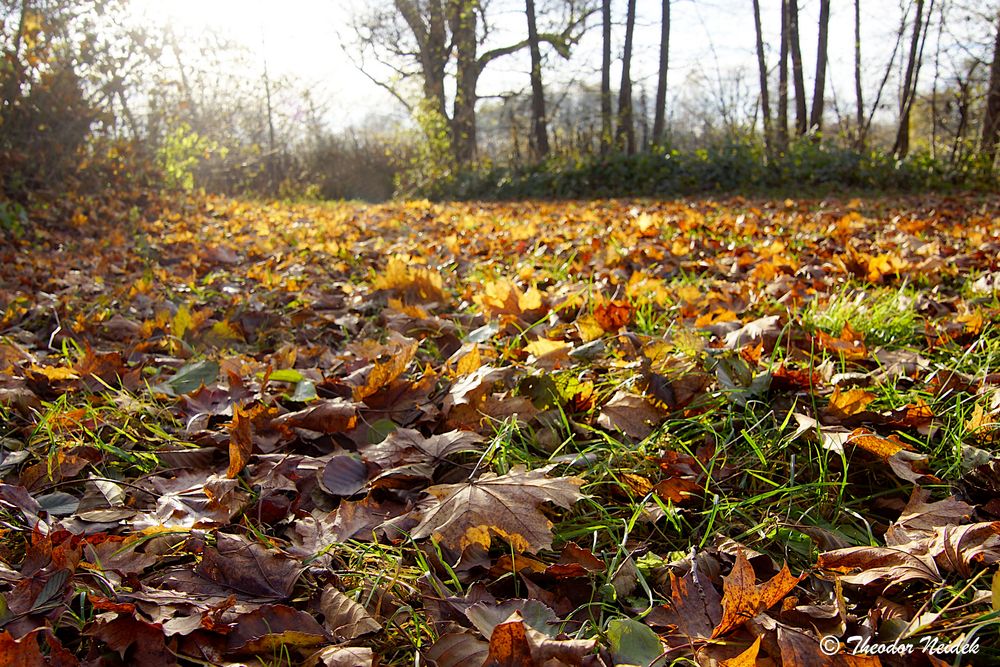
783	80
765	103
421	38
606	129
539	137
626	127
659	120
991	116
801	114
819	87
858	94
902	144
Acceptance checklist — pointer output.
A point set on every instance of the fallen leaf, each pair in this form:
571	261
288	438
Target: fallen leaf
334	415
249	568
742	599
633	415
240	442
344	618
506	506
273	628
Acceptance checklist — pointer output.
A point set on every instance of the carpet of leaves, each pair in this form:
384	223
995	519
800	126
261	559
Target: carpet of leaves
535	434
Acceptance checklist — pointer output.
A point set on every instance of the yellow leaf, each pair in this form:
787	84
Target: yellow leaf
847	403
469	363
543	347
224	330
589	328
55	373
181	322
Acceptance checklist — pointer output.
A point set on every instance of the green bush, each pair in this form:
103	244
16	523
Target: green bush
732	167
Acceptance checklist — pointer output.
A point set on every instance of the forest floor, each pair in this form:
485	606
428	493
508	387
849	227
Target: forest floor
536	434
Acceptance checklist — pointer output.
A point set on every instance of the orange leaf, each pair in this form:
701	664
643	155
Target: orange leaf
614	315
240	441
746	659
742	599
876	444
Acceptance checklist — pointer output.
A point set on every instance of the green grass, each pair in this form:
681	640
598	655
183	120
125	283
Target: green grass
885	316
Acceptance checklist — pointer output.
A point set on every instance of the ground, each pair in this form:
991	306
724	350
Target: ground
583	433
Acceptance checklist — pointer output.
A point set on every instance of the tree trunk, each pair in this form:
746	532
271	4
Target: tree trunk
801	114
783	81
626	128
463	124
606	129
539	143
432	39
902	145
765	102
991	118
858	95
819	88
660	118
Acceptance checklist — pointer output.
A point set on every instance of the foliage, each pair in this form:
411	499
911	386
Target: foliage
601	432
429	169
181	151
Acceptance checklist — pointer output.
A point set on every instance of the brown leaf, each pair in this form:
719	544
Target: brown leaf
343	475
880	566
798	647
695	606
387	367
850	345
249	568
458	649
342	656
846	404
137	642
766	330
509	647
884	448
407	446
23	652
506	506
272	628
631	414
746	659
345	618
678	489
334	415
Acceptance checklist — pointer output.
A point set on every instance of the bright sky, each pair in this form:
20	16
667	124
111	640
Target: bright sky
304	38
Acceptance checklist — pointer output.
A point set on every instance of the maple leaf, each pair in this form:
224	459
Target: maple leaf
388	366
742	599
505	506
926	540
846	404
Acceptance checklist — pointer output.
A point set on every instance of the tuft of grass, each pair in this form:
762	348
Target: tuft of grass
886	317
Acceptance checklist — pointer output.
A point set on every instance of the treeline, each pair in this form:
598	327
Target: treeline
92	98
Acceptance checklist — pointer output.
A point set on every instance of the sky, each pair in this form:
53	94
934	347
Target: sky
310	40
